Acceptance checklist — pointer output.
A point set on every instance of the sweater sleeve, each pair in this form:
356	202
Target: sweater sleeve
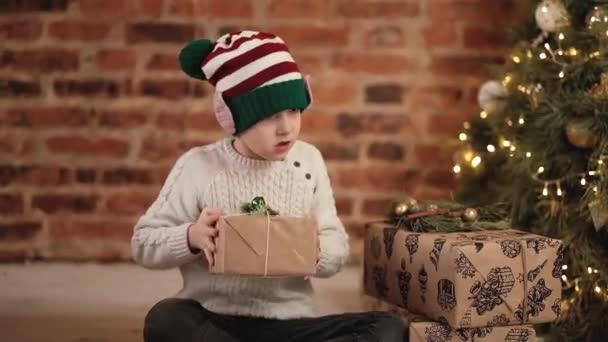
160	237
333	240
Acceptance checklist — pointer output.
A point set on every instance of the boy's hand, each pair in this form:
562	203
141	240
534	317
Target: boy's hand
202	234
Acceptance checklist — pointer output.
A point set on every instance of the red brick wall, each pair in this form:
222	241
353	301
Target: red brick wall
94	110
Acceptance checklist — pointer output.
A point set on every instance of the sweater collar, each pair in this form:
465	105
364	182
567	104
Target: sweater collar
239	159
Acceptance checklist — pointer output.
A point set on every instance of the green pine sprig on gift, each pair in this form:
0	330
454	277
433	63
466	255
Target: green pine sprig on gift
258	206
447	216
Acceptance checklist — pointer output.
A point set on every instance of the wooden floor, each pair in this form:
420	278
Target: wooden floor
103	303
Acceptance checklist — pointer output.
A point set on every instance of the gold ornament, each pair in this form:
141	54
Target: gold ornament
470	214
432	207
400	209
597	20
579	133
416	208
599	215
600	89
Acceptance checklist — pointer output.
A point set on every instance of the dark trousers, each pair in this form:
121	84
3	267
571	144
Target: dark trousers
181	320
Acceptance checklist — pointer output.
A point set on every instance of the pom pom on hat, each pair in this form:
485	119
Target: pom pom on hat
192	55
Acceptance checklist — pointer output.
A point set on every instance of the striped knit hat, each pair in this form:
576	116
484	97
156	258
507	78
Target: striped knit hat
254	76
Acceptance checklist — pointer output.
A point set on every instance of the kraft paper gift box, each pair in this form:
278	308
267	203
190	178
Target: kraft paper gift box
465	279
266	245
438	332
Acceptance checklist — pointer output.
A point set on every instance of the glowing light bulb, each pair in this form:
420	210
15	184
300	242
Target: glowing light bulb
466	125
564	267
457	169
483	114
506	143
462	136
561	74
583	181
589	270
541	169
476	161
522	121
545	191
598	289
516	59
491	148
559	190
561	36
528	154
542	55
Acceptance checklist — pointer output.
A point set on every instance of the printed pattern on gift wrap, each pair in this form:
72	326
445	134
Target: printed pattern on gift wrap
403	279
536	298
437	332
488	295
464	266
557	307
411	242
379	277
510	248
446	294
423	278
436	252
389	239
499	321
470	334
376	247
533	273
558	263
518	335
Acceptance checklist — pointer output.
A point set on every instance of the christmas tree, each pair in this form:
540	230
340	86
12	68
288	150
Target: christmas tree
540	145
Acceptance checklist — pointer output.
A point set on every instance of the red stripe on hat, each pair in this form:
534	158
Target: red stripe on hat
261	78
236	44
242	60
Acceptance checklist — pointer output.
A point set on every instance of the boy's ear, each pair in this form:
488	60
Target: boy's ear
223	114
308	90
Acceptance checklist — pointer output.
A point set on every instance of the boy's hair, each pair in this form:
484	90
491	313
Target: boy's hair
254	76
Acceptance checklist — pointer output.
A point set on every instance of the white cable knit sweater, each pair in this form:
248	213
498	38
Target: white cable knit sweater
217	176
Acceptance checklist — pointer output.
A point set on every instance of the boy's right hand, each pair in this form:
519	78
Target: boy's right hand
202	234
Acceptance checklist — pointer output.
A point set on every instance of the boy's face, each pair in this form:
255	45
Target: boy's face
271	138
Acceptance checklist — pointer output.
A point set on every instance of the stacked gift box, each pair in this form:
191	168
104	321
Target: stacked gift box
488	285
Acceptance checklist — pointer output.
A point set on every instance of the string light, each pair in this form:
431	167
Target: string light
512	148
598	289
560	52
522	121
476	161
491	148
595	189
559	190
506	143
462	136
592	173
564	278
542	55
466	125
589	270
457	169
583	181
561	74
541	169
528	154
510	123
483	114
546	190
564	267
516	59
595	54
573	52
561	36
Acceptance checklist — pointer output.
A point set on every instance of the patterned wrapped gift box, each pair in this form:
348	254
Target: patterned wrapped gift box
438	332
468	280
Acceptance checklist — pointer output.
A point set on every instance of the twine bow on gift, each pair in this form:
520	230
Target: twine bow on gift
258	206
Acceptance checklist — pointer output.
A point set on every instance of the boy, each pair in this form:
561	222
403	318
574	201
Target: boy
259	97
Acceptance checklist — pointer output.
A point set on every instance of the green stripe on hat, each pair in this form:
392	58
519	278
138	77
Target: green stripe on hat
261	103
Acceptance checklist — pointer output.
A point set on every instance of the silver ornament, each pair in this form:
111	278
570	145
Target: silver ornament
492	96
470	214
551	16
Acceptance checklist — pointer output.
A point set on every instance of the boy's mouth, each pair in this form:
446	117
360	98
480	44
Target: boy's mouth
282	146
